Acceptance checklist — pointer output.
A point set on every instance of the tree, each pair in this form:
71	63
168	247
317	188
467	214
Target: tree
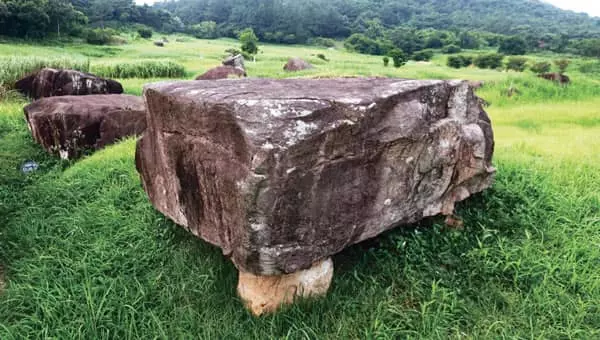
249	41
205	30
513	46
398	57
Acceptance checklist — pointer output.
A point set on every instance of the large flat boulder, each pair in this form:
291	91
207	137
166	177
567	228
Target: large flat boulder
70	125
51	82
282	174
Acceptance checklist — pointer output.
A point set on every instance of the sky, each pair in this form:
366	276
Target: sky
591	7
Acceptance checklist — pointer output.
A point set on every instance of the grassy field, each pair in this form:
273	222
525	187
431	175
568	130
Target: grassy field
86	256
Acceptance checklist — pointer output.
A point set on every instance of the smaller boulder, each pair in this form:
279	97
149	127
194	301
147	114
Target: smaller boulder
296	64
556	77
51	82
159	43
70	125
222	72
235	61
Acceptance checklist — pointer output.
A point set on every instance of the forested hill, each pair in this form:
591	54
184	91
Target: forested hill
338	18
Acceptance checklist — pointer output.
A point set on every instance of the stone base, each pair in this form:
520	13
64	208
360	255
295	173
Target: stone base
266	294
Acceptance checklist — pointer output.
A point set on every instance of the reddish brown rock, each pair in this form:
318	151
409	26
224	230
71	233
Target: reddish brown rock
222	72
296	64
69	125
556	77
52	82
283	173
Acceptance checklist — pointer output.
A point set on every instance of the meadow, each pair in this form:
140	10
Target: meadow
84	255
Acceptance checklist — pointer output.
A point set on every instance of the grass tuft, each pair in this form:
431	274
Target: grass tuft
143	69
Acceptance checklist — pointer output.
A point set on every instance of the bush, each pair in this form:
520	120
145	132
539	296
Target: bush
323	42
143	69
363	44
489	61
458	61
322	57
398	57
386	61
592	67
15	68
518	64
100	36
513	46
562	64
424	55
145	32
451	49
541	67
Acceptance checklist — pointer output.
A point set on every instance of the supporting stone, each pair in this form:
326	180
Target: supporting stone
266	294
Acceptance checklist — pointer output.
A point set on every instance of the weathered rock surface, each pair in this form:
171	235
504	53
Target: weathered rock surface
52	82
69	125
222	72
235	61
296	64
265	294
283	173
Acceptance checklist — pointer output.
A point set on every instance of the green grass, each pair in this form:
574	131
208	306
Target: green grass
141	69
13	68
86	256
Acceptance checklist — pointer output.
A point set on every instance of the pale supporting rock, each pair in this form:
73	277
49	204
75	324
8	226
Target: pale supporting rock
266	294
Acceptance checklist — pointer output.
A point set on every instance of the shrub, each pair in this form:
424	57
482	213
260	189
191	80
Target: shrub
424	55
541	67
489	61
398	57
15	68
324	42
386	61
562	64
363	44
513	46
592	67
451	49
100	36
143	69
518	64
145	32
322	57
458	61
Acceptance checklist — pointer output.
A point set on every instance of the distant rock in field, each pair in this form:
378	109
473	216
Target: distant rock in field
69	125
53	82
296	64
235	61
556	77
283	174
159	43
222	72
476	84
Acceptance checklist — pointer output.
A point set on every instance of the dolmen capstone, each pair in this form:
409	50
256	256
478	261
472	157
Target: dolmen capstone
68	126
222	72
50	82
296	64
283	174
